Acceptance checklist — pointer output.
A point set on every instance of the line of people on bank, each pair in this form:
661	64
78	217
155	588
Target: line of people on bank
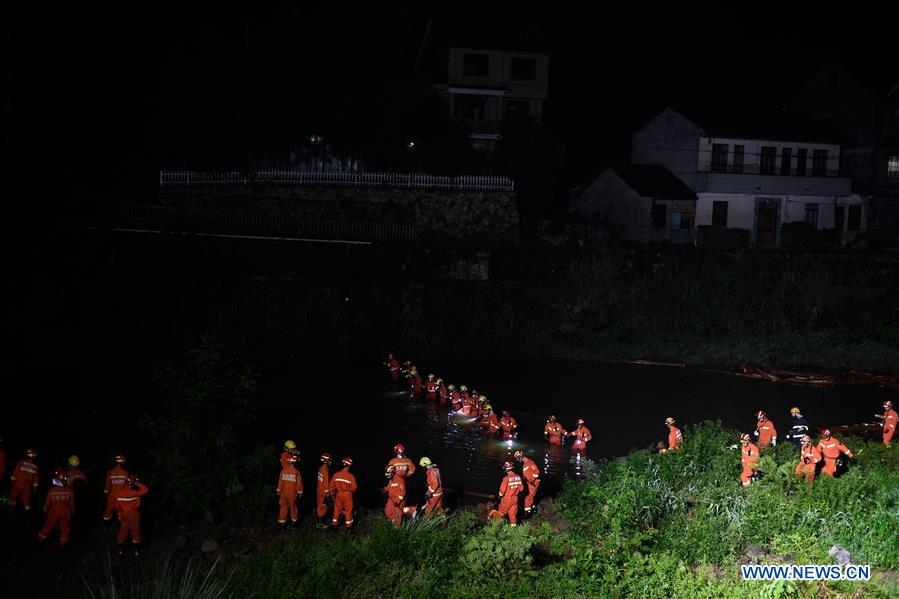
67	494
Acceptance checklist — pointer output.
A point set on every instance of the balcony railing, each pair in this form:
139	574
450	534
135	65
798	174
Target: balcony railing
483	126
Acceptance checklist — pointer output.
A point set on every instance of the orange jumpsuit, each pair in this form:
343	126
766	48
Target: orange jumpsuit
455	399
808	461
490	423
531	475
554	433
581	436
343	485
749	456
404	466
431	388
128	508
285	459
24	481
78	481
416	384
396	508
509	426
59	507
435	490
322	490
767	433
394	367
675	439
444	394
831	450
116	481
290	486
508	492
890	421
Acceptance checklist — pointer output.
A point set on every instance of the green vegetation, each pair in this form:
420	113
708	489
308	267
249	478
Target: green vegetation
649	525
162	580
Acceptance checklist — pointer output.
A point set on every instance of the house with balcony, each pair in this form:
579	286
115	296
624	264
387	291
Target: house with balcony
486	85
755	171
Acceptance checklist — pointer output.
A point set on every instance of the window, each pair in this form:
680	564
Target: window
801	159
855	218
769	155
719	158
811	215
893	167
819	163
738	159
681	221
523	68
786	155
466	106
519	107
475	65
719	214
659	216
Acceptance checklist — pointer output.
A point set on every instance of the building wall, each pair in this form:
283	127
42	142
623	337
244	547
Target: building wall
752	153
669	140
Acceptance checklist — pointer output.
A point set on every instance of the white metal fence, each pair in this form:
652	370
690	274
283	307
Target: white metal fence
335	179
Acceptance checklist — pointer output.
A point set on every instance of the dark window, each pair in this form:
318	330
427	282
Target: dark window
475	65
466	106
719	214
819	163
523	68
855	218
659	216
681	221
811	215
719	158
801	159
519	107
786	155
769	156
738	159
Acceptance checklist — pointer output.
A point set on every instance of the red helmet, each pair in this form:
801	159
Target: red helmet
888	405
745	438
518	455
826	433
120	459
552	418
669	420
31	453
326	457
805	440
507	465
760	415
347	461
398	448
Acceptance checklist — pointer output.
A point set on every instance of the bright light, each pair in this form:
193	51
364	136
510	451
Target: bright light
315	138
411	145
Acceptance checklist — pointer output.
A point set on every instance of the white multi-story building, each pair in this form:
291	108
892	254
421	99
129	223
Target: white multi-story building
755	171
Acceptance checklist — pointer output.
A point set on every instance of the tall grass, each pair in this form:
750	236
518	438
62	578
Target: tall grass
162	579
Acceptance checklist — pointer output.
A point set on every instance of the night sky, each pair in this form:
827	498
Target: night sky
126	93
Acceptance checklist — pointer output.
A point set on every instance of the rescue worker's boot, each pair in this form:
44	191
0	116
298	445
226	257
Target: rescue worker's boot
321	524
282	526
293	524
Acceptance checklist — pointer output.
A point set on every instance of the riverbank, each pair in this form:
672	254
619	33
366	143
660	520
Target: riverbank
648	525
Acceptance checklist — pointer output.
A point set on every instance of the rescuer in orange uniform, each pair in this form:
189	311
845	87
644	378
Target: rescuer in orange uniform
443	392
396	506
890	421
509	425
116	481
554	432
749	456
434	493
59	507
415	383
393	367
128	509
323	490
404	466
290	488
455	398
675	437
508	494
531	474
342	487
479	410
24	479
766	432
831	449
290	449
432	387
809	457
489	422
581	436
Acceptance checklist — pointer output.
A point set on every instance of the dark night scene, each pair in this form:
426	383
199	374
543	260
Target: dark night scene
411	299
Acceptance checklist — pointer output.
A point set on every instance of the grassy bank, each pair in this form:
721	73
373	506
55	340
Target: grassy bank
647	525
